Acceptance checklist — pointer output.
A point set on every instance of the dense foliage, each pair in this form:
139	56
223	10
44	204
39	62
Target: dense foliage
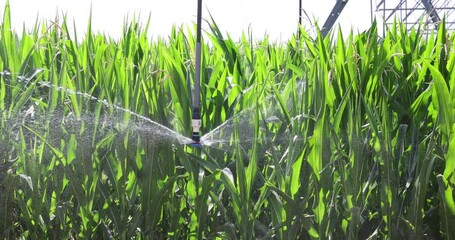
337	137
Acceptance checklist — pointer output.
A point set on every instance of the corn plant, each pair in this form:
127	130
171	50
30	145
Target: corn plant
341	137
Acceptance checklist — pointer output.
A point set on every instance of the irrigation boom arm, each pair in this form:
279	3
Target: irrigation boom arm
336	11
196	121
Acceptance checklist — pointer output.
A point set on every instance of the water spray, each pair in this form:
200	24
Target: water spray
196	121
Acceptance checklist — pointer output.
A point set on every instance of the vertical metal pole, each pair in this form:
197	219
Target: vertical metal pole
371	11
300	16
384	19
196	121
197	71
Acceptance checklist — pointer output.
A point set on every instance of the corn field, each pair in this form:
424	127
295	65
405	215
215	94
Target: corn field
342	137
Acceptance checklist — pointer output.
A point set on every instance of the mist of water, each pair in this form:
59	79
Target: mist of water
95	127
34	124
239	130
143	125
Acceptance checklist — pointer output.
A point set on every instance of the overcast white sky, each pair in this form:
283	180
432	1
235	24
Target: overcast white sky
276	18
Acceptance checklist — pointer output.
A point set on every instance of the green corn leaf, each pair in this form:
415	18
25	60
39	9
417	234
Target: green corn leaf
447	207
442	101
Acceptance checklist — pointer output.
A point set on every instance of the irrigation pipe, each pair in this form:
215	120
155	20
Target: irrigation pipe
196	121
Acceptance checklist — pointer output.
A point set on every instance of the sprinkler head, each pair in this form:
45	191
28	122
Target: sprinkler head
196	139
196	124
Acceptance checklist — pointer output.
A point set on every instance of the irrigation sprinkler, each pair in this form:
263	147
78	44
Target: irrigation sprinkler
196	121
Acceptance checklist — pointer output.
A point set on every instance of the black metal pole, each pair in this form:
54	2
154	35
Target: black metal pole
334	14
196	121
300	17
